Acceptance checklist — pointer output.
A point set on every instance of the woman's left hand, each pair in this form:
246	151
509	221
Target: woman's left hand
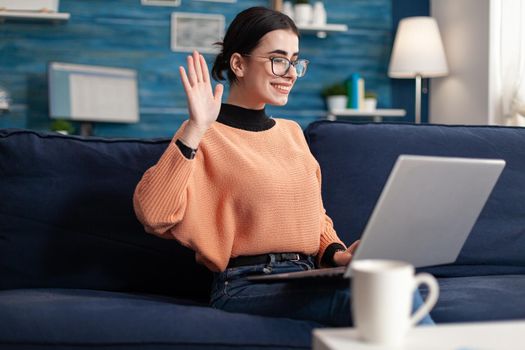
342	258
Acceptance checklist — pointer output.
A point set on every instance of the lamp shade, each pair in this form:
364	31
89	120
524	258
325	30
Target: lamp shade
418	50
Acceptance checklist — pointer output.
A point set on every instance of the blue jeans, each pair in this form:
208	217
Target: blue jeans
325	300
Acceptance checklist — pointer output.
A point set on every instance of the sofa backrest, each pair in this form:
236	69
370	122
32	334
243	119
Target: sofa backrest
67	219
356	160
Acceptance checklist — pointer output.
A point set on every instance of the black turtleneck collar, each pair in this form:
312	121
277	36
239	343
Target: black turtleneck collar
246	119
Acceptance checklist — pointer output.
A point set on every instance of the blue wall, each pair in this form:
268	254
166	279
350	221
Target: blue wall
123	33
403	90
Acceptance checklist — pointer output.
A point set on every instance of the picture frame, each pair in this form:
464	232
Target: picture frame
30	5
173	3
196	31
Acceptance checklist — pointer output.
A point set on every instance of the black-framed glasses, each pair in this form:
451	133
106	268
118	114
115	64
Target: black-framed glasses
281	65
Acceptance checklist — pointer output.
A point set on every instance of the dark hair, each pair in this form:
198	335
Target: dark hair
243	35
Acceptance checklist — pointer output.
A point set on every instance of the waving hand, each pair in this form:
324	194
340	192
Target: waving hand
203	103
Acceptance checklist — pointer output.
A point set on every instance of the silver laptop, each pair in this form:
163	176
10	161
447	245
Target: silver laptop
424	215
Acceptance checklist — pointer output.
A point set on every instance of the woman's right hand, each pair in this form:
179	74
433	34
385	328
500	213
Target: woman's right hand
203	104
343	258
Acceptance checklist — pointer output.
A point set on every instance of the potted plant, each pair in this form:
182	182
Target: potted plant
302	12
370	101
336	96
62	126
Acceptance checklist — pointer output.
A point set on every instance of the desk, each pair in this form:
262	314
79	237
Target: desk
453	336
377	114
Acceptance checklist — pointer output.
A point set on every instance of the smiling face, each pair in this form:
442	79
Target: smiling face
256	84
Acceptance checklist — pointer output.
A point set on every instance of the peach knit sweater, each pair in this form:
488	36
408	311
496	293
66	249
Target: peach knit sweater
245	193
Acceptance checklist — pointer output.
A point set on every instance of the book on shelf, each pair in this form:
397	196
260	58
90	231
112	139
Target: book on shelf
356	91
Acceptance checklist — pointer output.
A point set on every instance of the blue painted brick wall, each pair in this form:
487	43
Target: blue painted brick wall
123	33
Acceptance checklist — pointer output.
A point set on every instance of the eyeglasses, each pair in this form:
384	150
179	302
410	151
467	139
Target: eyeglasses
281	65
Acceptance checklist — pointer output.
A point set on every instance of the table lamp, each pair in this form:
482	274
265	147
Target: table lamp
417	53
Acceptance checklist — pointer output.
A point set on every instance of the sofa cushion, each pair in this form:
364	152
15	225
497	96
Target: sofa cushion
67	219
356	160
40	318
480	298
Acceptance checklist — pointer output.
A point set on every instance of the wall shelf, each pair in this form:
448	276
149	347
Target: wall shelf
33	16
322	30
377	114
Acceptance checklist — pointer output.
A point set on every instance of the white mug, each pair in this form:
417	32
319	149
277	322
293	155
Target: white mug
382	295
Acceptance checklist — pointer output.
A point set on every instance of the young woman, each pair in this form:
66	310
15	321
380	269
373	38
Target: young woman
241	188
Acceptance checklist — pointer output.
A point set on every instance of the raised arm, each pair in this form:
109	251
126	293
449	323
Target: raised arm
160	196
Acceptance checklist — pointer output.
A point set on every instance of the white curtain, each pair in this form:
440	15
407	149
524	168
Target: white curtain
511	26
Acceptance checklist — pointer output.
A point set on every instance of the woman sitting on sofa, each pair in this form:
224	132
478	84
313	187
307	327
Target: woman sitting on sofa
241	188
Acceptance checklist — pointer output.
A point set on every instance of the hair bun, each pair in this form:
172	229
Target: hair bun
243	36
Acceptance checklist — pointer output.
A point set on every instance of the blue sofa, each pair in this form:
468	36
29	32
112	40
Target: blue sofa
78	271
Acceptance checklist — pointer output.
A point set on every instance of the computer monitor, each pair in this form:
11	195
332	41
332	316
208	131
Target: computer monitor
88	94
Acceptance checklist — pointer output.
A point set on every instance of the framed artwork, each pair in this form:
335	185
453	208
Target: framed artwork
30	5
196	31
160	2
